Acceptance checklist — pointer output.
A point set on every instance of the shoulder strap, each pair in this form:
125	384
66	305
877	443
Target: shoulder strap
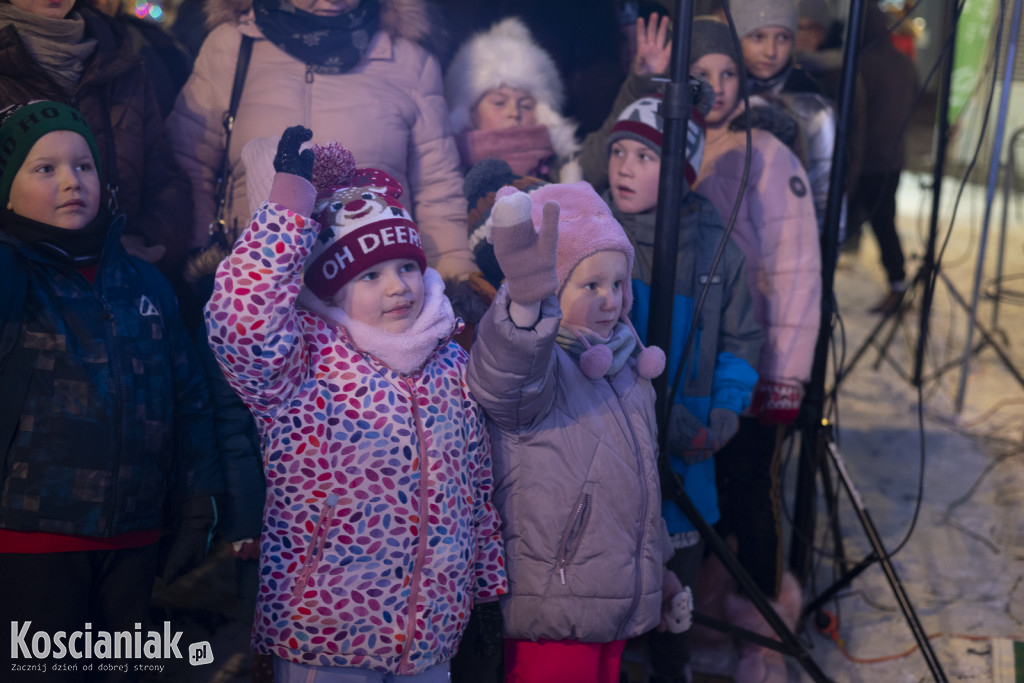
241	69
217	234
15	372
110	167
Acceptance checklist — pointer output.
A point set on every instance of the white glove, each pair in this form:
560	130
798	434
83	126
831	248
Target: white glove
677	615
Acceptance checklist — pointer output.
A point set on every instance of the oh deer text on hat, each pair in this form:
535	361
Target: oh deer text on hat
363	224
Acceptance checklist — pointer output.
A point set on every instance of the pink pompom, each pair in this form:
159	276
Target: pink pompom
333	167
651	362
595	361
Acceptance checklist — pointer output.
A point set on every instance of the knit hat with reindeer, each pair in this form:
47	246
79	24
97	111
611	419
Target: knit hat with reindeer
363	223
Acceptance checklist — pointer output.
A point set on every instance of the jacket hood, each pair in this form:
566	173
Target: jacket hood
409	19
506	54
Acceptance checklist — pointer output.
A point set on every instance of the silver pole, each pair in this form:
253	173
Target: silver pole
993	172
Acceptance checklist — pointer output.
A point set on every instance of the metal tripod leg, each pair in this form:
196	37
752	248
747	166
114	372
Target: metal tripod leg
882	557
790	645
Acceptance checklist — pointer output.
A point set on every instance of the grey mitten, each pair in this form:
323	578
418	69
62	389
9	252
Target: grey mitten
724	424
527	258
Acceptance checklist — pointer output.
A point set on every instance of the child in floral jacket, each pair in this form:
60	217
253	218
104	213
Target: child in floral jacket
379	534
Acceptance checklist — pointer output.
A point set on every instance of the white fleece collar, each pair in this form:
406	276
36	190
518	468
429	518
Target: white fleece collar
405	352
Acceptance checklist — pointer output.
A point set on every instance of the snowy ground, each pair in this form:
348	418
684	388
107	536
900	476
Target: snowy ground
963	564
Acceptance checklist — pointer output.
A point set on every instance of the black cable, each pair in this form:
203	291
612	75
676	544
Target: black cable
699	306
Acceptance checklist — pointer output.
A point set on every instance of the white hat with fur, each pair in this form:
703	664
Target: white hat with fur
506	54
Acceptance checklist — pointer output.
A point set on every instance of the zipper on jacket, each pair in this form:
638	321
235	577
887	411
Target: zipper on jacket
570	542
315	549
117	389
644	510
421	532
309	73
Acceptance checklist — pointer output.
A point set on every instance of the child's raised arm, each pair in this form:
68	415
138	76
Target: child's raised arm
509	366
251	318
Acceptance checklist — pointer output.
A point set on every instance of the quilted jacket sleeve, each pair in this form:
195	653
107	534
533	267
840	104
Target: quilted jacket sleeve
195	128
740	338
512	370
435	181
253	327
790	275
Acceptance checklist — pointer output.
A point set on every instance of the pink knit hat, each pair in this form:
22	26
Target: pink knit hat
585	227
363	222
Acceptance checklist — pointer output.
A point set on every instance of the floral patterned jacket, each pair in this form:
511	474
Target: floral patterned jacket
378	532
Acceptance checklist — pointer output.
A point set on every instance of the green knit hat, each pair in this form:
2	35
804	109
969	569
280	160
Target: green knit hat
21	126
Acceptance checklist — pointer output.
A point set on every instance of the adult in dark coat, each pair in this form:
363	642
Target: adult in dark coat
73	54
168	62
890	88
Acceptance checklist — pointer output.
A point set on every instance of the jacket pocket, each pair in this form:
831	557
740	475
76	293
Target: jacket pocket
315	549
570	541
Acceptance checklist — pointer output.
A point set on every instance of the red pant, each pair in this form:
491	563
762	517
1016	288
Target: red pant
562	661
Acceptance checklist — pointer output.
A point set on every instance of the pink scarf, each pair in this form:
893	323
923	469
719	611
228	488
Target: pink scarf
525	148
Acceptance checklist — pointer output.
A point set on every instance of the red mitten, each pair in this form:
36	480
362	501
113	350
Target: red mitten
776	403
703	445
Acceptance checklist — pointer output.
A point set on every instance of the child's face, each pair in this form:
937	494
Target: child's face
809	35
505	108
388	296
722	75
633	170
593	294
766	51
58	184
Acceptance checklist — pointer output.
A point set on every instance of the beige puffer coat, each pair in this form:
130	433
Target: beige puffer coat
389	110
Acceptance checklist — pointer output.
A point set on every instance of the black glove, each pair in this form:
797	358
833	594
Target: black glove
485	631
191	539
289	159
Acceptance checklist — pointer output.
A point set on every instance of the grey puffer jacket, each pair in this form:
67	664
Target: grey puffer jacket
576	484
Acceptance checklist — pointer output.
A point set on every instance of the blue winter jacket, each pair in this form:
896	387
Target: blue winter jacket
719	370
115	428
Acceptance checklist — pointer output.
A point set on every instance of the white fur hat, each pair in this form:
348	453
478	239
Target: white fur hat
506	54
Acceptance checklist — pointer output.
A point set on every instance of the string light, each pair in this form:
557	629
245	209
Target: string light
153	11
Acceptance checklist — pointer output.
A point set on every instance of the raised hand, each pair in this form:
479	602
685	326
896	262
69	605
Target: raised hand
289	159
527	259
653	48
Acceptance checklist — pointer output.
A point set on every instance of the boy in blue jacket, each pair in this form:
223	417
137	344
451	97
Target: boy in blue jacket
718	373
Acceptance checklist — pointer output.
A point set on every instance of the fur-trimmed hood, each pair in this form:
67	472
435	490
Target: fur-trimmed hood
409	19
506	54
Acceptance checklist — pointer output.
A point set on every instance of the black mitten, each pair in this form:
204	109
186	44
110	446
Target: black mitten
486	630
191	538
289	159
